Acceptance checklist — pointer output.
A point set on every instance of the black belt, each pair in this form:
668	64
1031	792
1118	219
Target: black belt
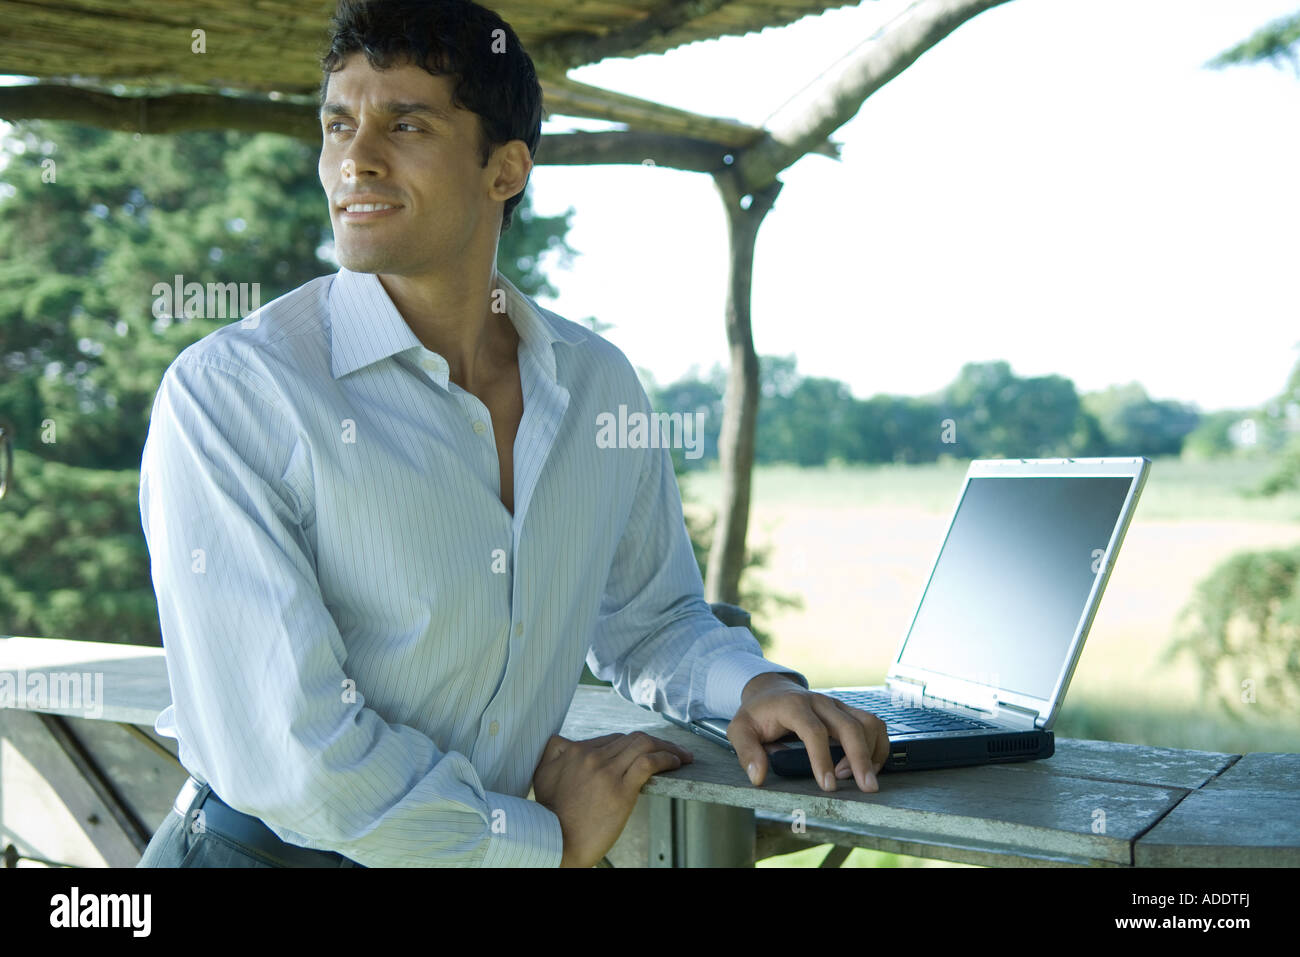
248	832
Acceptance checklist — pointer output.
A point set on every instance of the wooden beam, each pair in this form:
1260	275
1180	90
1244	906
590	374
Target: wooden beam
649	149
31	736
836	856
103	788
564	96
171	113
179	112
838	95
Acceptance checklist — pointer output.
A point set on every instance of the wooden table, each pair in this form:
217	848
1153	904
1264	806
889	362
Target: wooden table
91	790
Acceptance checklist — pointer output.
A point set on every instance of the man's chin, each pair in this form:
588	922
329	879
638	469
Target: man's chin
367	260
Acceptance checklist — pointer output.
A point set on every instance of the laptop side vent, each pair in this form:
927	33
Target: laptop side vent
1013	745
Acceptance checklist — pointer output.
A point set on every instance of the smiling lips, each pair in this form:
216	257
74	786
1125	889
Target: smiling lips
359	211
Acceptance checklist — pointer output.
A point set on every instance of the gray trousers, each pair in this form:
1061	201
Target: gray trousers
177	843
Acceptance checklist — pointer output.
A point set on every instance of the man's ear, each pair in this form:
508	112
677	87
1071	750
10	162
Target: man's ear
513	165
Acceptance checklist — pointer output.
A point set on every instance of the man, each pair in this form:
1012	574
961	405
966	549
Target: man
383	535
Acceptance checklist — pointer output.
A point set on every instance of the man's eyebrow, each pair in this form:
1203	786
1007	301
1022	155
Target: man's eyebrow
392	108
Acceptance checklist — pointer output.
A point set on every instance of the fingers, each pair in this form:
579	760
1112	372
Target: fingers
744	737
645	764
559	743
616	743
626	748
880	752
880	746
860	733
810	727
638	756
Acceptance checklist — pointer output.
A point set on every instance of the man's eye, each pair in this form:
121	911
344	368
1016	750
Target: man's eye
332	127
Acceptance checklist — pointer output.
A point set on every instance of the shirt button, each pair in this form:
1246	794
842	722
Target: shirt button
493	728
479	427
519	629
430	364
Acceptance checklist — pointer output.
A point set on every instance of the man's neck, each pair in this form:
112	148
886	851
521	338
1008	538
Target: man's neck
452	316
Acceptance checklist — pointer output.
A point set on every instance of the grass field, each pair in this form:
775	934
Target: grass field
855	545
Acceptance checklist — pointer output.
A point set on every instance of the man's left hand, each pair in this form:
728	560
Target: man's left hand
774	704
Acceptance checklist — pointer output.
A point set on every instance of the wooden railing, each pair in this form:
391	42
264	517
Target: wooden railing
87	781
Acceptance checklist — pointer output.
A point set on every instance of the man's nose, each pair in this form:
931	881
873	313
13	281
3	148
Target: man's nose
363	155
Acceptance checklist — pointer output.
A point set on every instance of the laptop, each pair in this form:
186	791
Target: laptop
984	666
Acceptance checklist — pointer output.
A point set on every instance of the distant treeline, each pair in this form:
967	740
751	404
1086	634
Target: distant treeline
986	412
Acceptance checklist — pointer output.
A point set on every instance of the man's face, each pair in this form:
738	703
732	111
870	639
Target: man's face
381	147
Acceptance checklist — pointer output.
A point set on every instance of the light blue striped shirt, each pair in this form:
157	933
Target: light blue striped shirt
365	648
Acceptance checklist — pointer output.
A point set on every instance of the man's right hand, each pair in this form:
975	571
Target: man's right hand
592	787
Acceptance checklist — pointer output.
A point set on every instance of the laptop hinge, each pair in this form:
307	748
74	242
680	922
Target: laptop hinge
905	683
1029	713
971	697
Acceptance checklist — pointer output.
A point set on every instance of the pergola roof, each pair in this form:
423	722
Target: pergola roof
273	47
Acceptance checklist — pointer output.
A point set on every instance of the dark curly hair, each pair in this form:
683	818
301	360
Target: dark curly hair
449	38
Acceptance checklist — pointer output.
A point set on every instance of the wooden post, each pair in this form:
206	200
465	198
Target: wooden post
740	405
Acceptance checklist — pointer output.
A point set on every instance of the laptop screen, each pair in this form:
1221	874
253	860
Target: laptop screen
1012	581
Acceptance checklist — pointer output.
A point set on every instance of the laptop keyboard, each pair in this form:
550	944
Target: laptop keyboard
903	719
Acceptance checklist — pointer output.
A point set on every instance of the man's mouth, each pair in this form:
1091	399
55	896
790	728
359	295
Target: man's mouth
362	212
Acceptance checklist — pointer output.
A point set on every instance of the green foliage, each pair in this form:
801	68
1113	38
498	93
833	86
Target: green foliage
1275	42
1270	433
1130	419
1283	416
760	602
73	561
689	396
986	412
1287	474
996	413
1212	437
1244	619
902	430
531	237
810	424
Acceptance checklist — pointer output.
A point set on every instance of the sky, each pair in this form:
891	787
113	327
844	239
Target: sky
1062	185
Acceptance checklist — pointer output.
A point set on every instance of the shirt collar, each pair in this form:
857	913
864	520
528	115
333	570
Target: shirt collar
365	326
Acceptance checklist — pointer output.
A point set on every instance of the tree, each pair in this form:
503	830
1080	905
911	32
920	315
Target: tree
807	425
996	413
1284	410
1213	436
1135	424
1245	619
